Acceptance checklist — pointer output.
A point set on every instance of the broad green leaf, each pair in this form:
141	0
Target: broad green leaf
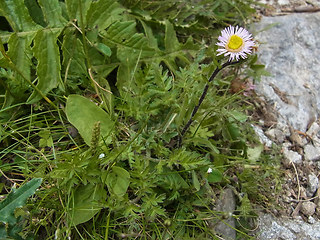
83	114
52	13
17	198
46	51
118	181
215	176
17	15
103	13
86	202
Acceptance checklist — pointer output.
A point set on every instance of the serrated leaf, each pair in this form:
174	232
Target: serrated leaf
171	40
74	7
151	39
20	55
17	15
35	12
86	202
52	13
17	199
118	181
103	13
73	54
83	114
46	51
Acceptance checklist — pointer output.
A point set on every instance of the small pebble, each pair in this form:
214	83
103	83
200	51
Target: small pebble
308	208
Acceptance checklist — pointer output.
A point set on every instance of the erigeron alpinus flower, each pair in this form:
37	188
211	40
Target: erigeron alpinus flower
236	42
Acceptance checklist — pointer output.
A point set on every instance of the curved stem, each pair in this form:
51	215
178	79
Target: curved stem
204	93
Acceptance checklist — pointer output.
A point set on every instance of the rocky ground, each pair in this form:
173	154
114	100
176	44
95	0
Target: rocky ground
289	33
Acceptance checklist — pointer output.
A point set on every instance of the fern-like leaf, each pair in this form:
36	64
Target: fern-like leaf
52	13
103	13
47	53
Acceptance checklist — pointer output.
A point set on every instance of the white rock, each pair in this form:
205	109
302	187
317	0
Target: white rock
313	130
263	138
311	153
291	156
311	220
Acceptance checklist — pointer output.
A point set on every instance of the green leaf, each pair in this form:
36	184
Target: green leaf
195	181
171	40
35	12
46	51
17	198
86	202
52	13
214	176
254	153
20	55
103	13
83	114
118	181
17	15
74	7
73	54
104	49
239	116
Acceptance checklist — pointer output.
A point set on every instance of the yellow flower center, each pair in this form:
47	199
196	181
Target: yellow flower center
235	43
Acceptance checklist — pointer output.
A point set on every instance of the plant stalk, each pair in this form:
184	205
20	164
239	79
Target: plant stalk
204	93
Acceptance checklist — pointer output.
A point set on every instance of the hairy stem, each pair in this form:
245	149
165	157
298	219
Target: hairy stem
204	93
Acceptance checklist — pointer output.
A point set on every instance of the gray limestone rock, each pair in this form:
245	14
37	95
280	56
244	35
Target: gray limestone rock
263	138
311	153
290	156
290	50
276	135
227	205
282	228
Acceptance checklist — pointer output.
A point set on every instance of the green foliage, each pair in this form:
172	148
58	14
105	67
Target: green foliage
15	199
80	112
119	80
86	202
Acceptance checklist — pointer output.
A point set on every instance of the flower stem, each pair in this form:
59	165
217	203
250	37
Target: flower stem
204	93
